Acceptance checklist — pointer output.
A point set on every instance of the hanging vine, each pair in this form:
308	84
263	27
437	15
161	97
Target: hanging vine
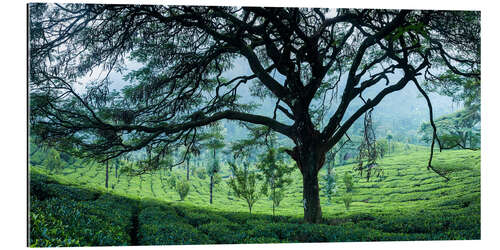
367	157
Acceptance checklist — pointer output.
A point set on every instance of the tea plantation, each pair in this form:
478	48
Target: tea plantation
72	207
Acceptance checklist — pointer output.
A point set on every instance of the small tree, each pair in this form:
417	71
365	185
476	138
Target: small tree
212	170
348	182
244	184
389	139
190	152
347	199
330	185
276	175
182	187
382	146
214	141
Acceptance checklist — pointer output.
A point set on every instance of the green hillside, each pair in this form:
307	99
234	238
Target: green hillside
408	203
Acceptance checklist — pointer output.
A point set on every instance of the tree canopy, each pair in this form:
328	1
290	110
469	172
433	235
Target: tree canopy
311	62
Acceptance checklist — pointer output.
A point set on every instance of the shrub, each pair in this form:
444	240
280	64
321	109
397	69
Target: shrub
197	219
79	194
57	222
239	217
223	233
69	216
161	226
153	214
274	230
182	187
347	199
348	181
171	234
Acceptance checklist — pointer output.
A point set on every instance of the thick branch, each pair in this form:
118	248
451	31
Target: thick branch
228	114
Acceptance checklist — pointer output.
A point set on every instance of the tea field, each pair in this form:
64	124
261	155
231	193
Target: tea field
73	208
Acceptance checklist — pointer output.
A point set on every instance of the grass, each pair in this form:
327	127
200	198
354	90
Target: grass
409	203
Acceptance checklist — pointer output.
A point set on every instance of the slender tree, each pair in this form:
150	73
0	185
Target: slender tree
276	175
389	139
244	184
214	141
299	58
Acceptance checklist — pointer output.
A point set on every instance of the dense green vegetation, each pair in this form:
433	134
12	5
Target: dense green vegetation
72	207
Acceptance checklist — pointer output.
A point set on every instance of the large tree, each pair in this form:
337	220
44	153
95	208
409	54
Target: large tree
312	63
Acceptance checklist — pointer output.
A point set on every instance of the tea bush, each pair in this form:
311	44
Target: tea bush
182	188
61	222
163	227
223	233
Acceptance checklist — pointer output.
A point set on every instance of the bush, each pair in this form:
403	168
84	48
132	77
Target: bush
348	181
161	226
154	214
171	234
197	219
79	194
69	216
347	199
182	187
239	217
274	230
58	222
223	233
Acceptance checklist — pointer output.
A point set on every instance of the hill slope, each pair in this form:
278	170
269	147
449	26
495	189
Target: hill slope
410	203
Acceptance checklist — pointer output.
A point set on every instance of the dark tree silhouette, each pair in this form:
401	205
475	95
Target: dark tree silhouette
184	51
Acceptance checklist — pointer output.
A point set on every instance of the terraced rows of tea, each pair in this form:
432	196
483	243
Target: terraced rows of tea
407	203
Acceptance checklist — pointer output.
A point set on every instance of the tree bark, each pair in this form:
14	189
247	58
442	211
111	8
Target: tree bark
312	207
310	160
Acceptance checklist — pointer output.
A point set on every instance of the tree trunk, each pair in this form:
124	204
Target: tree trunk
310	160
107	174
116	170
211	187
312	207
